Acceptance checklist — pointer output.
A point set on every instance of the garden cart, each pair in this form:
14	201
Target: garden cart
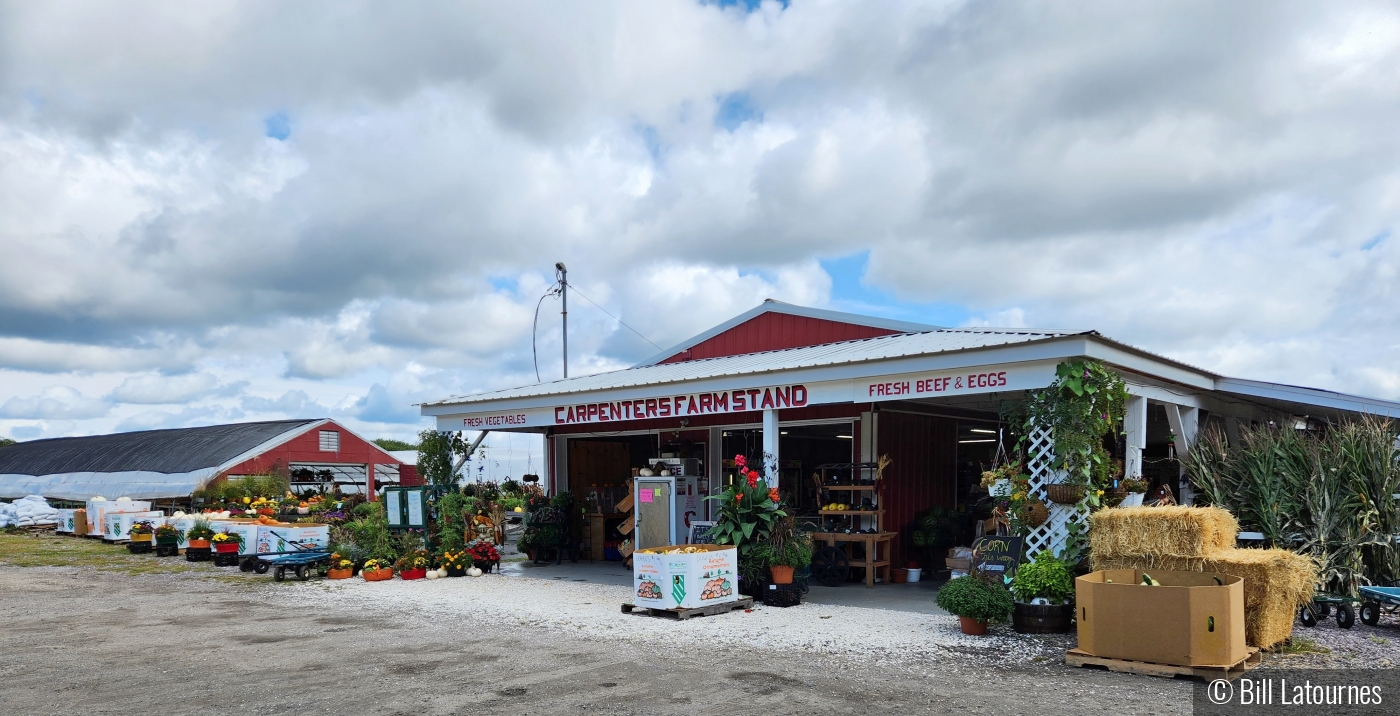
1376	599
302	561
1321	606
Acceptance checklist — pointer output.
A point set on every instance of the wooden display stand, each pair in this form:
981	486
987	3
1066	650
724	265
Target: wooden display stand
598	531
876	545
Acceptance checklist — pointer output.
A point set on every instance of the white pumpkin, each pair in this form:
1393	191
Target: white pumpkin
645	472
432	574
442	572
473	572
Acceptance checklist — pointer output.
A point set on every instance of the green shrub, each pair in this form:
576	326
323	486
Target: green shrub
976	599
795	553
1044	577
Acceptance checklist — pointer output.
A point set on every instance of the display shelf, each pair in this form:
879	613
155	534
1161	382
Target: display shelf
875	546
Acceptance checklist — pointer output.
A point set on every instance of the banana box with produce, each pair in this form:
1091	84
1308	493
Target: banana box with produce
1161	617
685	576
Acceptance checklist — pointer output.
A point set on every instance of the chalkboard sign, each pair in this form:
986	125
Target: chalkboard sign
700	533
997	556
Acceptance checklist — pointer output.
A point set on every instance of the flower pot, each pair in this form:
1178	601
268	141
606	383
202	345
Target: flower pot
1065	494
199	544
226	548
377	575
168	541
972	626
339	573
139	538
1042	618
419	573
781	574
1134	499
456	571
915	573
899	575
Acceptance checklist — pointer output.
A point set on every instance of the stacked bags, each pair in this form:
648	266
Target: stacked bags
27	512
1202	539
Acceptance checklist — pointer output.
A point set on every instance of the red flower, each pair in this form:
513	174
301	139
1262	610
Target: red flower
741	461
773	494
738	496
753	478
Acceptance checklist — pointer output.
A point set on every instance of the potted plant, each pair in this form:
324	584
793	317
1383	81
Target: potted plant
1135	487
341	567
140	535
377	570
199	535
413	565
227	542
169	535
456	563
484	555
975	602
784	552
1044	591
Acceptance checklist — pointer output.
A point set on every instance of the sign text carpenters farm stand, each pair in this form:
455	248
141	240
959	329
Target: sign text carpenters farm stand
793	395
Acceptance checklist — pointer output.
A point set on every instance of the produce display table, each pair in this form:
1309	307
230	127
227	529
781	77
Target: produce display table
876	557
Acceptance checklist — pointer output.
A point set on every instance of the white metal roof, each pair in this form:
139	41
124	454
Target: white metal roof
828	354
774	306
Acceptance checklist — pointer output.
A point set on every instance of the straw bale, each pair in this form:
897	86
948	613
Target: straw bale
1276	583
1175	531
1150	564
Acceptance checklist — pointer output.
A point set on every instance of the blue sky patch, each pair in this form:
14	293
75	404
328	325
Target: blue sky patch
1376	240
278	126
735	110
851	293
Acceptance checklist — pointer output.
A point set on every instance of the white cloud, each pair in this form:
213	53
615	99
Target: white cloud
1219	185
58	402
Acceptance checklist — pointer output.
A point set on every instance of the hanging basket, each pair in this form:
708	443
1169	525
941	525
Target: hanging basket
1065	494
1034	514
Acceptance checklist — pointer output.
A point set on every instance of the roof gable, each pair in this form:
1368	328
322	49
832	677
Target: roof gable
774	325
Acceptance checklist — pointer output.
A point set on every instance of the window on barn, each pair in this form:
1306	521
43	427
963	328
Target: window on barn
330	441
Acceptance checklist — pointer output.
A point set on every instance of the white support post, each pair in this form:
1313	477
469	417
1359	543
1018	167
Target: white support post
1135	425
770	446
714	468
1183	423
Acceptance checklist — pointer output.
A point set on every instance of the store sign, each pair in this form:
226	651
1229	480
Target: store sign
679	406
957	382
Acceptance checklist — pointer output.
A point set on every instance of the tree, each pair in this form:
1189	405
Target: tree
393	445
6	442
436	453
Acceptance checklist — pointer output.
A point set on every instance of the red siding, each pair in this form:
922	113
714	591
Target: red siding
408	475
774	331
922	473
307	448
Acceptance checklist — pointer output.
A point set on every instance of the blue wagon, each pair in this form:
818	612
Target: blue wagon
1378	599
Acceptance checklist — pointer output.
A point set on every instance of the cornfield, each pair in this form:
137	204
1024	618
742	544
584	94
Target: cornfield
1328	495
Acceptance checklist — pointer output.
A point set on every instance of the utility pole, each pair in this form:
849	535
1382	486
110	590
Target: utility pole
563	276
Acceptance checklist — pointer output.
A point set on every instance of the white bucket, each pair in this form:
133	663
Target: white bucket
1134	499
914	574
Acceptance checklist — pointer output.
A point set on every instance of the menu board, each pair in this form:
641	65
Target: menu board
700	533
997	556
392	509
415	508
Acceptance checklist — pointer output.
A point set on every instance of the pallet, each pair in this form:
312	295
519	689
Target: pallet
1075	657
680	614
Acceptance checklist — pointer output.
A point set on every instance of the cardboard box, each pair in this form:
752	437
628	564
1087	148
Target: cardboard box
80	523
247	528
1193	619
96	509
956	563
709	575
117	525
65	520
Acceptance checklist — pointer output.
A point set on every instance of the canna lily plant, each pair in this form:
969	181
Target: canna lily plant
748	509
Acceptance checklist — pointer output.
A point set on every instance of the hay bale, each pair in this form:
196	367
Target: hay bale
1276	583
1150	564
1161	532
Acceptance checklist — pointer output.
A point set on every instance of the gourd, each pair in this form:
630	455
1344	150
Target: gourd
473	572
433	574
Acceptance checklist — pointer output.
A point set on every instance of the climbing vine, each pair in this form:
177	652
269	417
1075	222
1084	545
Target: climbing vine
1083	405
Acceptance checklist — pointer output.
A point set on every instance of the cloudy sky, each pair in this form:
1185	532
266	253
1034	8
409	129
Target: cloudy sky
221	211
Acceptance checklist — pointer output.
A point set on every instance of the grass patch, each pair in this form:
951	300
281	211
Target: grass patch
1300	645
50	550
1377	639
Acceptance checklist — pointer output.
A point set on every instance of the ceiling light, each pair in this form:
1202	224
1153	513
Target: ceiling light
782	432
844	437
976	441
984	431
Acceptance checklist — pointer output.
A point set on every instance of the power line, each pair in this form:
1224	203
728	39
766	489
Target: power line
534	331
615	318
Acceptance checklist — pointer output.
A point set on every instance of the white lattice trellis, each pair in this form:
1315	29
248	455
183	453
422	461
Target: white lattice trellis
1052	534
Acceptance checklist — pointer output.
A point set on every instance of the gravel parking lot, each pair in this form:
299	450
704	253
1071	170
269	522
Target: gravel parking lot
78	639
